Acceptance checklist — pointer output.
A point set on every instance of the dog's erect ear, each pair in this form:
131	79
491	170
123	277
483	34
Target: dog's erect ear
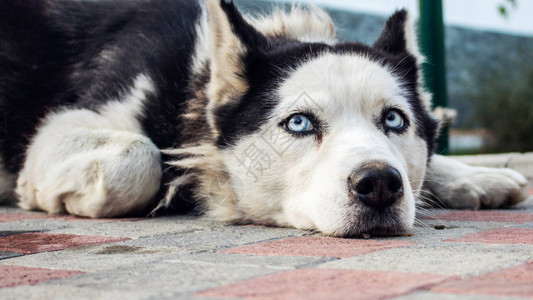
232	39
399	36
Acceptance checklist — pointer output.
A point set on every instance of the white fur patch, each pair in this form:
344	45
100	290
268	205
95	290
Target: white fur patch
95	164
411	39
122	114
311	25
227	81
200	55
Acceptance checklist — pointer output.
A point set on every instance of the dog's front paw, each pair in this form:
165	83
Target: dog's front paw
95	174
454	184
487	188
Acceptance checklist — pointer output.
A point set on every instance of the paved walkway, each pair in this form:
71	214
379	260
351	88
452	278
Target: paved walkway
450	254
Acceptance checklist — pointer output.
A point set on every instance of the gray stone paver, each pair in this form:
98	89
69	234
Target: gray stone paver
164	279
34	225
85	259
214	239
8	254
142	228
438	296
268	262
175	257
104	257
442	258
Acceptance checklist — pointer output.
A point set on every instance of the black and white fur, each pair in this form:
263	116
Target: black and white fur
111	108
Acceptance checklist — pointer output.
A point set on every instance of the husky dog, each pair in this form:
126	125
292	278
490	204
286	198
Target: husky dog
112	108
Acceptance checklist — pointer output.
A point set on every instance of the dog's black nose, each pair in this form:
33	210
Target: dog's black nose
377	185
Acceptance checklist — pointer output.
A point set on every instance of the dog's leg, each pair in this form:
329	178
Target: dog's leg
457	185
80	164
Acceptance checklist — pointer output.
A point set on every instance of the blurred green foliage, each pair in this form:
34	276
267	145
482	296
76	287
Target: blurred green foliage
507	111
505	7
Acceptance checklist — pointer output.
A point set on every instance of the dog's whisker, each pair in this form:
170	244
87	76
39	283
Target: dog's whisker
165	202
434	202
198	162
419	223
184	180
423	211
428	195
395	68
194	150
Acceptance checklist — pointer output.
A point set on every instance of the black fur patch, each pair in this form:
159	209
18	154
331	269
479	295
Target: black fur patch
33	68
392	39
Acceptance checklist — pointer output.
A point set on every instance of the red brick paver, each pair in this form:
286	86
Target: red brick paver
12	217
318	246
516	281
328	284
499	236
11	276
43	242
487	216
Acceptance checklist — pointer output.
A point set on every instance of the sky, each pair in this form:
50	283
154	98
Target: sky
478	14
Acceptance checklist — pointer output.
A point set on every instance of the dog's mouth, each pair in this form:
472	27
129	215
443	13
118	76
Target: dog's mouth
374	223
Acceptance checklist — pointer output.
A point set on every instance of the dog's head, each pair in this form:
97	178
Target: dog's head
313	133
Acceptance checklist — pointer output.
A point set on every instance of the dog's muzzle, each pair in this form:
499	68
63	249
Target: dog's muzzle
376	184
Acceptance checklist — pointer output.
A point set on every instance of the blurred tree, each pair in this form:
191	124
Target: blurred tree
506	6
507	111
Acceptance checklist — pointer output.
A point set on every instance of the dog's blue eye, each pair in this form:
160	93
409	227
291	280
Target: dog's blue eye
299	123
394	120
